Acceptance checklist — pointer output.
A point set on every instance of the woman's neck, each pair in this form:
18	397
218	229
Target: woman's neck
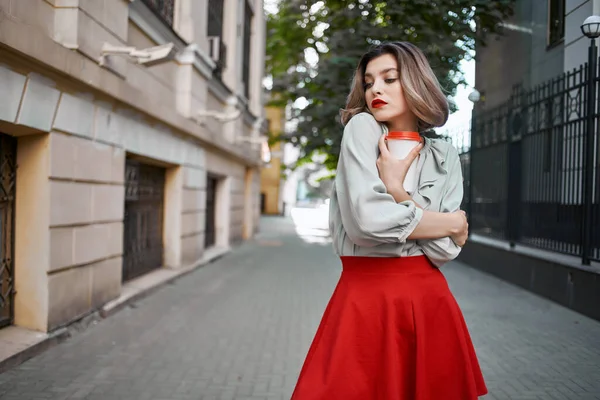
403	125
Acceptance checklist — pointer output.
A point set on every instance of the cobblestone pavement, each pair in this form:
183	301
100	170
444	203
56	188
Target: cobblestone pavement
239	329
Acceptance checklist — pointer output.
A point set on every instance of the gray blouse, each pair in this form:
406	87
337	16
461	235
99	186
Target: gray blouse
364	220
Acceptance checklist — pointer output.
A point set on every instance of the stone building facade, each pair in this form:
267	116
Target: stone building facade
116	166
542	40
271	179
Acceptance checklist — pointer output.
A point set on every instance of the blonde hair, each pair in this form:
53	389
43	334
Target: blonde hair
421	88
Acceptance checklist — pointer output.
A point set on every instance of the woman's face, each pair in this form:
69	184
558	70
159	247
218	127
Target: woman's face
384	94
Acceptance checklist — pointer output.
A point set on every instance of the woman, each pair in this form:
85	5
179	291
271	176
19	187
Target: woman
392	330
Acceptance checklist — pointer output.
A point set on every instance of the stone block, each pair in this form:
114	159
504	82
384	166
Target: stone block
112	15
106	281
118	165
98	241
115	240
237	185
75	115
236	234
194	200
92	36
39	103
183	89
195	178
199	87
193	156
91	243
68	295
106	124
64	3
38	14
192	223
192	248
222	166
70	203
108	202
161	91
237	217
62	156
129	130
12	85
66	22
62	242
93	160
237	200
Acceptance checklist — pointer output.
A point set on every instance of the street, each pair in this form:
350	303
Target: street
239	328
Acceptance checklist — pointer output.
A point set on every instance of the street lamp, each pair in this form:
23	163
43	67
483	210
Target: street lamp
591	29
474	96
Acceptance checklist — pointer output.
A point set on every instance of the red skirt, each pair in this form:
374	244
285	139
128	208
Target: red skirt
391	331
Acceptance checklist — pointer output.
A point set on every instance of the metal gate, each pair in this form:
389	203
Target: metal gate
143	224
8	167
211	198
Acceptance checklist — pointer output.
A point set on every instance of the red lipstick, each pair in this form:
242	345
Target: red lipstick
377	103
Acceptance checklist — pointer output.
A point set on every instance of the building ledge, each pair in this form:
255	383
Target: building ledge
18	345
557	277
48	57
546	255
152	26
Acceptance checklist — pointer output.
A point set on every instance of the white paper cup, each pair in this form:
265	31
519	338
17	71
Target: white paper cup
400	144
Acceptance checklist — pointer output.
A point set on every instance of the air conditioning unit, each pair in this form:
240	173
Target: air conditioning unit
214	48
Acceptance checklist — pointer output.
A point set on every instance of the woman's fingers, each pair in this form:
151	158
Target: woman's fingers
383	149
414	153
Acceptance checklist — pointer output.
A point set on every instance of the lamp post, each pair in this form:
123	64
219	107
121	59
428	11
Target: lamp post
591	29
474	97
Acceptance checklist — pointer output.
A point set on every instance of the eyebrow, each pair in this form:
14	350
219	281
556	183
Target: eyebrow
382	72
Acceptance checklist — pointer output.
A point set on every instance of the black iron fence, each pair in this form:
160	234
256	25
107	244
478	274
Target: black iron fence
527	166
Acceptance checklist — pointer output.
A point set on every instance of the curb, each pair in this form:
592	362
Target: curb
52	340
118	304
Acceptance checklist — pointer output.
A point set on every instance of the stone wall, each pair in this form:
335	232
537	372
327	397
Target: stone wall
77	122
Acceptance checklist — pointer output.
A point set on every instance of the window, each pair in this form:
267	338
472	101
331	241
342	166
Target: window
218	49
556	21
215	18
248	16
162	8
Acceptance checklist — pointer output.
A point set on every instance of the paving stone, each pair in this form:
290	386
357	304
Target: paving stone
239	328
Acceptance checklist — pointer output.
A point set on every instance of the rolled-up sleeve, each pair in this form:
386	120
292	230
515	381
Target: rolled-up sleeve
369	214
440	251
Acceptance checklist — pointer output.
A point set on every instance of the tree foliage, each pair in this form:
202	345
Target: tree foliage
338	32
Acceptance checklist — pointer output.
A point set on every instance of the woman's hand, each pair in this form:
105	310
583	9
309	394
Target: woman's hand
461	231
392	171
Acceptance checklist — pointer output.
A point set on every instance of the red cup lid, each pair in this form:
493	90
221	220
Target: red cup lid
405	135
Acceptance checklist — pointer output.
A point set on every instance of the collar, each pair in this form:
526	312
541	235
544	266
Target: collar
434	152
433	168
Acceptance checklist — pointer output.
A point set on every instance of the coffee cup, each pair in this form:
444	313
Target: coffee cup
400	143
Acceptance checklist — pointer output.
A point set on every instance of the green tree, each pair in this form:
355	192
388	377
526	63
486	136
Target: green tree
338	32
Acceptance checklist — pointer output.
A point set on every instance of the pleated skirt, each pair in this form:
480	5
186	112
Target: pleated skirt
391	331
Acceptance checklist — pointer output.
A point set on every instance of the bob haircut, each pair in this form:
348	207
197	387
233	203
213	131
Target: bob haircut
422	91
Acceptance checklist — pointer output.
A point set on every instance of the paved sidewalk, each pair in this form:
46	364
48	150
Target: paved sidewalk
239	328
